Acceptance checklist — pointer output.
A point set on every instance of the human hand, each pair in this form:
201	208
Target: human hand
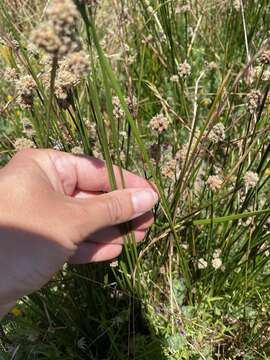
56	207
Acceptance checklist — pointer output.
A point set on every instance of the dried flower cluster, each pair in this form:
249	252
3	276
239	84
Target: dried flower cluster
131	102
202	264
25	88
169	168
214	182
73	68
217	133
251	179
159	123
10	74
216	261
184	69
265	57
174	78
117	109
57	35
23	143
77	150
254	99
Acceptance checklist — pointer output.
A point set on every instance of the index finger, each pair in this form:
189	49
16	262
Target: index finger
86	173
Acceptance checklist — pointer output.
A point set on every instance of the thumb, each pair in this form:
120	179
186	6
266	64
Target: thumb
114	208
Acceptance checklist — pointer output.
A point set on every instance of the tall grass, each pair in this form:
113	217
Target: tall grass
198	286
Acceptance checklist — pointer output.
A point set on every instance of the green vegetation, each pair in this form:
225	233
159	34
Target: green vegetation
178	92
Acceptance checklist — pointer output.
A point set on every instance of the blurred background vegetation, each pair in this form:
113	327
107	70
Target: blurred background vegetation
176	91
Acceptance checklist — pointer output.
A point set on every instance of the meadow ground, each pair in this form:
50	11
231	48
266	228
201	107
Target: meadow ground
178	92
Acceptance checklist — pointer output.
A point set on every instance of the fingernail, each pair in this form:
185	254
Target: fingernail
144	200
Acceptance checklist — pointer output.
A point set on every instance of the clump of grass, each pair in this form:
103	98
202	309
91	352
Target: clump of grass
179	95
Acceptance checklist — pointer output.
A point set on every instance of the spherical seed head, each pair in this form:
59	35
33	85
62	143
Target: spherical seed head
57	35
202	264
23	143
251	179
214	182
132	104
159	123
174	78
217	133
62	13
254	99
169	169
77	150
117	109
217	263
184	69
10	75
46	38
65	79
25	87
76	63
265	57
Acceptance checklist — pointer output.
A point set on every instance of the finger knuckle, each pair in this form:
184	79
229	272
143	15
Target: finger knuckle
114	209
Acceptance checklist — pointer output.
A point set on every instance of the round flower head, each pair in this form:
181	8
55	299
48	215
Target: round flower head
45	38
25	87
217	263
117	109
168	170
254	99
214	182
202	264
174	78
77	150
251	179
76	63
184	69
159	123
217	134
23	143
265	57
132	104
62	13
10	75
57	35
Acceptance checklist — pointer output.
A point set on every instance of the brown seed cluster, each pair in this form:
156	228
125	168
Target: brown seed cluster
117	109
217	133
73	68
57	35
254	100
265	57
169	169
184	69
159	123
77	150
131	102
10	75
214	182
251	179
25	87
23	143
